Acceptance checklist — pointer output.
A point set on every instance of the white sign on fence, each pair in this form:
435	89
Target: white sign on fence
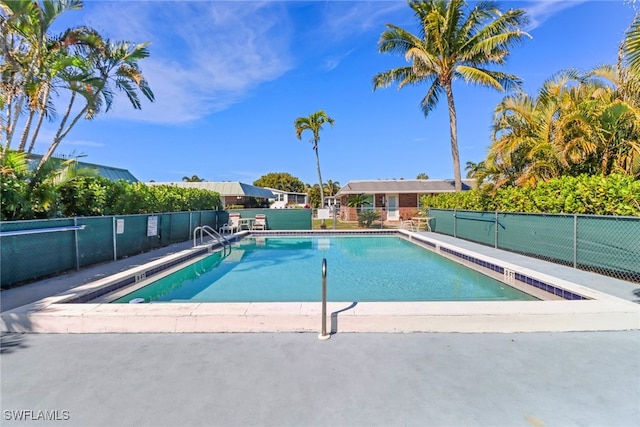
119	226
152	226
324	214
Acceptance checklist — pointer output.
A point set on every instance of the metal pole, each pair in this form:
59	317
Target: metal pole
324	335
115	246
575	241
496	241
75	235
455	224
334	216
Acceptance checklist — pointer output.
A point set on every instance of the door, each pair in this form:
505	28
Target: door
393	213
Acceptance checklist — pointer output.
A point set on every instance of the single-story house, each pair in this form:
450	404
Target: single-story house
231	193
394	199
288	199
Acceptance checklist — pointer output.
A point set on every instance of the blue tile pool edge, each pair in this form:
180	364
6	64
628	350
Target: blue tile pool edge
492	269
137	275
488	267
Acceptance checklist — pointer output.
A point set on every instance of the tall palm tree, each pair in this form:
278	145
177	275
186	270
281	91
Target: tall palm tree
27	51
314	123
113	64
63	70
452	45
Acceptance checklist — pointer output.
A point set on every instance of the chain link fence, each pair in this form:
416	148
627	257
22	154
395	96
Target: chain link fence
608	245
41	248
31	250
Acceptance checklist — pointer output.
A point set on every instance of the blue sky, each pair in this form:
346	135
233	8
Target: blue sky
231	77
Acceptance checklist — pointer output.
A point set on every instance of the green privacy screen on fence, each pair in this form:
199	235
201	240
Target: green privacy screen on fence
608	245
60	245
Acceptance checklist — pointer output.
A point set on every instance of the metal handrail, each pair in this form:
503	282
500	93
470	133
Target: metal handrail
492	220
213	234
42	230
323	335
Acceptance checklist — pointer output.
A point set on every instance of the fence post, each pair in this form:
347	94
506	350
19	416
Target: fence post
455	224
113	229
75	235
575	241
496	242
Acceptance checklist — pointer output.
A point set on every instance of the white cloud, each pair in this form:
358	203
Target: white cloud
346	19
540	11
332	62
82	143
205	56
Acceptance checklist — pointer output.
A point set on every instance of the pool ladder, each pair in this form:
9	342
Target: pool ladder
214	235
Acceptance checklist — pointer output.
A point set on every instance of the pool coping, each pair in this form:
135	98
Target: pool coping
597	312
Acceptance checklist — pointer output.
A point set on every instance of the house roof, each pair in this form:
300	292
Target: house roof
223	188
109	172
275	190
420	186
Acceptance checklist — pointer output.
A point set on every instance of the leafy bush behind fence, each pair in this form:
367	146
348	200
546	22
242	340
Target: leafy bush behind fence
585	194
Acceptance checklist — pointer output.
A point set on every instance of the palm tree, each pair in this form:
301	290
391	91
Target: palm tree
331	188
193	178
577	124
422	175
314	123
114	64
64	70
357	201
27	51
452	46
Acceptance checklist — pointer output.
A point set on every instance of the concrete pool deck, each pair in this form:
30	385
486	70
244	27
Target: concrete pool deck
286	379
38	307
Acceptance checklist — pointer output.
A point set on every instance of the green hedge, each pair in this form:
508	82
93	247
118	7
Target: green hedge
88	196
594	195
97	196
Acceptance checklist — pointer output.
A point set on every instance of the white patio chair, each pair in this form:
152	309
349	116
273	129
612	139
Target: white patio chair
233	225
260	223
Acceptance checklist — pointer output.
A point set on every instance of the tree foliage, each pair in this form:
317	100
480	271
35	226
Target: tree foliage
454	42
615	194
578	123
314	123
78	66
59	189
280	181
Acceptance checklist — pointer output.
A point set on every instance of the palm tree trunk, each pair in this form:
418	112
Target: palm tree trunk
319	177
61	131
25	132
13	119
45	98
453	127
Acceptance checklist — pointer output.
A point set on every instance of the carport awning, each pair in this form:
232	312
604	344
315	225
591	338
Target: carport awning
224	188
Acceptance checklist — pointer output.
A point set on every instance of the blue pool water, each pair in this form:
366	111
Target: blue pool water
362	268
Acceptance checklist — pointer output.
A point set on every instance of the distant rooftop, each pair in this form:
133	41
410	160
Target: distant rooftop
109	172
232	188
399	186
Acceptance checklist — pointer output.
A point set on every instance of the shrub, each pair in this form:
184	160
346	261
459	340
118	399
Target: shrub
585	194
366	218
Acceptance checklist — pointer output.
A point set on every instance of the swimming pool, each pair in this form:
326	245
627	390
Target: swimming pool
567	302
360	268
